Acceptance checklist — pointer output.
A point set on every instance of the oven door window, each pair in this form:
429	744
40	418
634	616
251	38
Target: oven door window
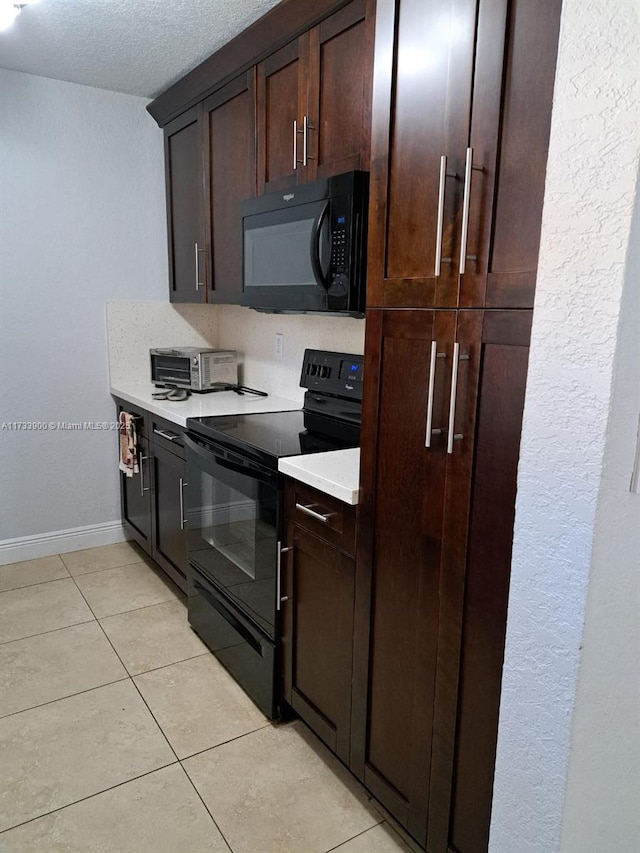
232	526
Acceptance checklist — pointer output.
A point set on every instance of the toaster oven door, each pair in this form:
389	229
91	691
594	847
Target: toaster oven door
171	370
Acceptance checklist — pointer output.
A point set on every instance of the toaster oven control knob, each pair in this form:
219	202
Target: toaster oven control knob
195	360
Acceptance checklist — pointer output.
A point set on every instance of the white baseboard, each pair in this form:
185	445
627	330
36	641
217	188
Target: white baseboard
61	541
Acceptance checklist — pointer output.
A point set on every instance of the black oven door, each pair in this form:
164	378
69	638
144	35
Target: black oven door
233	524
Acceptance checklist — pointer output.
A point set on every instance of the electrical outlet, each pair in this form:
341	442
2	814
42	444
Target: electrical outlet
279	346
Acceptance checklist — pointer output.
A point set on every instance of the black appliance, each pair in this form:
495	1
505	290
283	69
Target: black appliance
304	249
234	516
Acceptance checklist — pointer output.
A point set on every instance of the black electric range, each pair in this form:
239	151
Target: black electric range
234	515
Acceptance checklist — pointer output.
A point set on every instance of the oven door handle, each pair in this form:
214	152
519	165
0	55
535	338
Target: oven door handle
210	459
316	234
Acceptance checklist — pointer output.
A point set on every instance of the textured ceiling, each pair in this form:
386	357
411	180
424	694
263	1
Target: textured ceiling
139	48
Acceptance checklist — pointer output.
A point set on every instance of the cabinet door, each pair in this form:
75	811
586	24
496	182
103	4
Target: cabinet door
339	92
408	368
229	124
511	117
135	497
504	350
318	581
423	70
185	187
282	100
169	534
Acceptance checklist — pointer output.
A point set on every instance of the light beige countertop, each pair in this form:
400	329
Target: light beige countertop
336	473
201	405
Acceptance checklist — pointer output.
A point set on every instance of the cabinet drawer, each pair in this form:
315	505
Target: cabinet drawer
321	514
141	415
166	434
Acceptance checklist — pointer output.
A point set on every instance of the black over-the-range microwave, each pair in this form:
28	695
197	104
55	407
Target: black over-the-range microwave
304	249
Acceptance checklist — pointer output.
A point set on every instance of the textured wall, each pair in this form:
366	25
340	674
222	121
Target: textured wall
593	161
82	220
603	788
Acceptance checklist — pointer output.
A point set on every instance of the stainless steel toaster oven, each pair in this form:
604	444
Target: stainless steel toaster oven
194	368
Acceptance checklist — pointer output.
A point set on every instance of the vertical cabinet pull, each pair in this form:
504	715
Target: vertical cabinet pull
451	435
295	145
432	380
280	599
183	520
142	459
468	168
198	282
306	127
440	218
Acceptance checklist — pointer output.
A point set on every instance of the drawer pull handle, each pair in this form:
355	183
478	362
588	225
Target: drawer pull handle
317	515
170	436
183	520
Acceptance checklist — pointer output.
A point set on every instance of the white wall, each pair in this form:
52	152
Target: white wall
603	786
82	220
565	478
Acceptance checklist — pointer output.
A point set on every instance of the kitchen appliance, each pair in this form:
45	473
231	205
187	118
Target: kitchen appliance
234	516
194	368
304	249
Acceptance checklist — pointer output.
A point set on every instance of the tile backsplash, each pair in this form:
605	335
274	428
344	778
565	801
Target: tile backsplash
135	327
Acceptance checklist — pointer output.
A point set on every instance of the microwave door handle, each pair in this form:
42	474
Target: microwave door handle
316	234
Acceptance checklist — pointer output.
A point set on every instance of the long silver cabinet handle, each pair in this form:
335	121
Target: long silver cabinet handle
306	127
451	436
317	515
198	282
142	459
295	145
170	436
279	597
440	220
452	401
432	379
468	168
183	520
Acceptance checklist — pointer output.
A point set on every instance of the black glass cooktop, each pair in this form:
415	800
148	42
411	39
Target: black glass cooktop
270	435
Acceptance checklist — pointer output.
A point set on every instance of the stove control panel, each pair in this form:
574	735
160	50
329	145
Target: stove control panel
337	374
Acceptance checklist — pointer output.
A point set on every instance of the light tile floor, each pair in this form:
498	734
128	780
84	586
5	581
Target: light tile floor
120	732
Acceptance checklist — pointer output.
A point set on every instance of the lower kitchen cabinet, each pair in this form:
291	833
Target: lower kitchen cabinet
135	498
318	588
152	500
169	534
444	395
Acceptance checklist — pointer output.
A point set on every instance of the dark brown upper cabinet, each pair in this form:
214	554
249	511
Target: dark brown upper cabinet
462	98
314	98
230	170
184	177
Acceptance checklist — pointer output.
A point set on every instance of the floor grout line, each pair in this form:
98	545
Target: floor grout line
90	796
67	696
35	583
132	681
146	607
52	631
209	812
222	743
165	665
357	835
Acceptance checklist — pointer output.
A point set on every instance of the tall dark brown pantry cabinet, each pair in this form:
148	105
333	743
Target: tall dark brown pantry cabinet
461	112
